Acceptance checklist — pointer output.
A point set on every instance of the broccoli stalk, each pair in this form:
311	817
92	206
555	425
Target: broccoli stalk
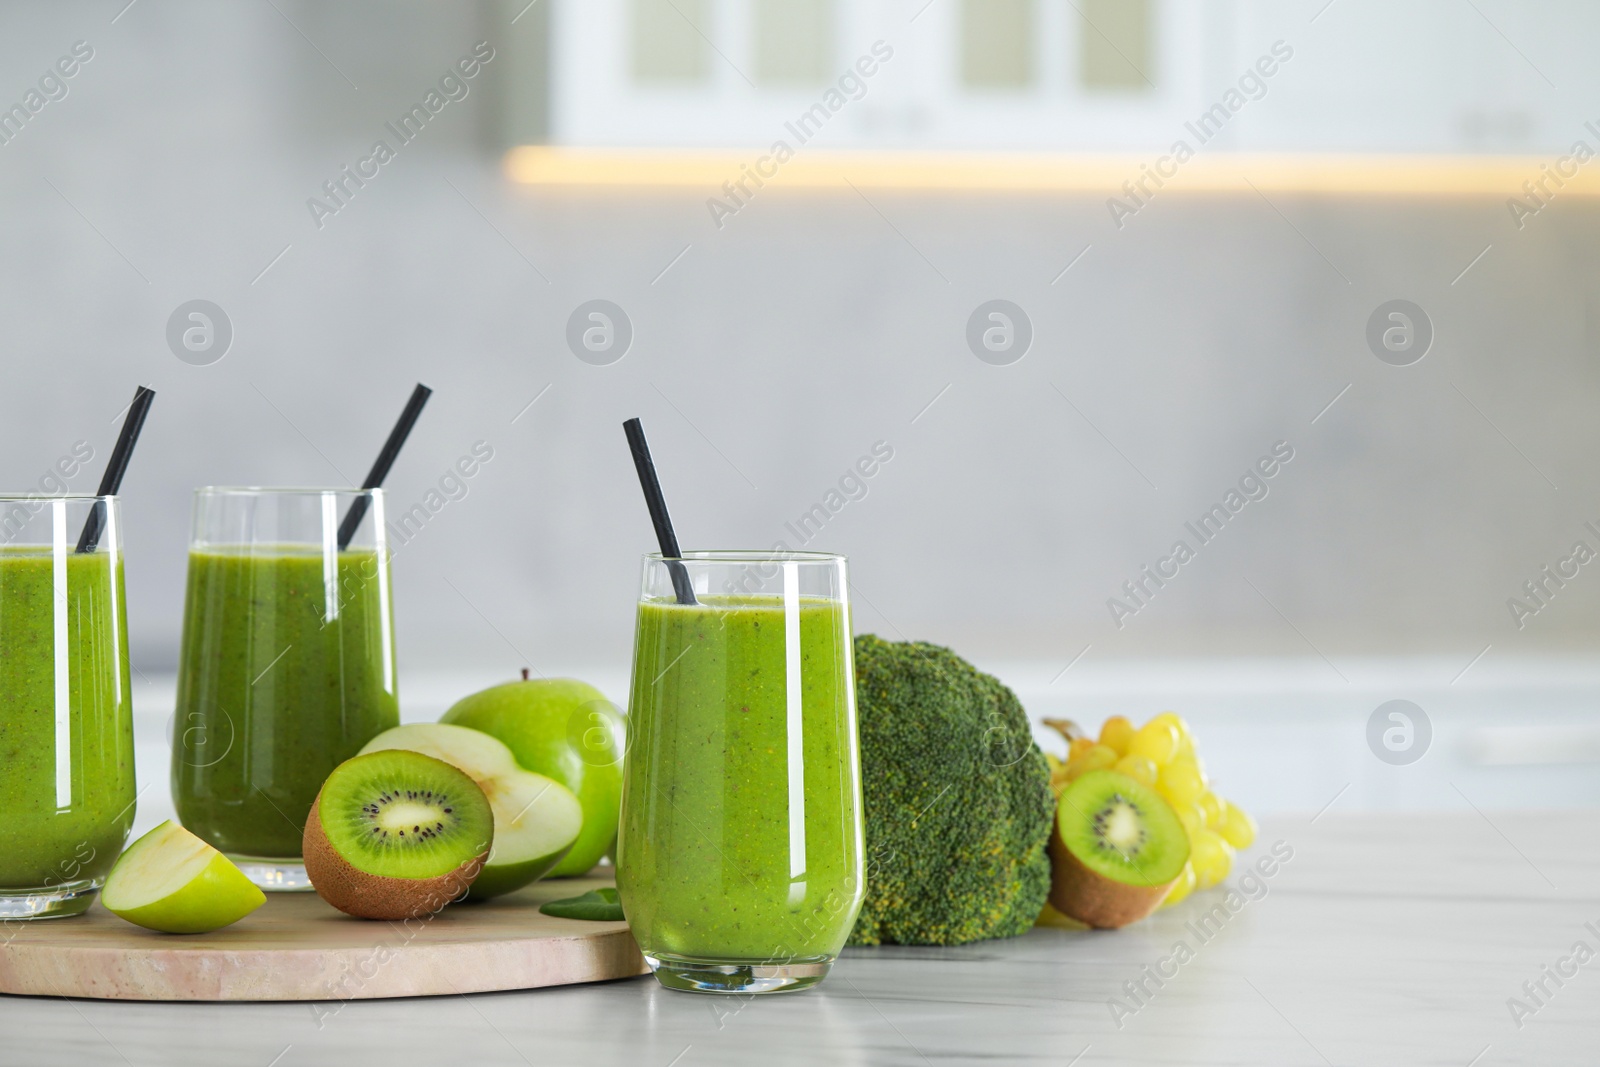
957	800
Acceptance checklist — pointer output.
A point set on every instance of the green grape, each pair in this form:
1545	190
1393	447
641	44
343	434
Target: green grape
1212	858
1139	768
1180	782
1176	720
1192	817
1116	733
1182	887
1097	758
1156	741
1238	827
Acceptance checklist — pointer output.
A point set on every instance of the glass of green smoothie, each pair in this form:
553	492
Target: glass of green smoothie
286	669
66	712
739	863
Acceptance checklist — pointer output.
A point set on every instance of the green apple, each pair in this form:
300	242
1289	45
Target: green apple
569	731
170	880
536	819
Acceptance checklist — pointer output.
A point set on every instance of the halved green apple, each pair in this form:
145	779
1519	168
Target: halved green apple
170	880
565	729
536	819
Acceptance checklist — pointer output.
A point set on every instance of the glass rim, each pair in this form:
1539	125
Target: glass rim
38	497
283	490
734	555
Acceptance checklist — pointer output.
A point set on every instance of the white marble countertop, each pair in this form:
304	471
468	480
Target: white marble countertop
1385	939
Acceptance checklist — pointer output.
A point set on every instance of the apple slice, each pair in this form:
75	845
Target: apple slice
170	880
536	819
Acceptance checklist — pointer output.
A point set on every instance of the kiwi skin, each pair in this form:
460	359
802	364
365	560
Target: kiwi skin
371	896
1091	897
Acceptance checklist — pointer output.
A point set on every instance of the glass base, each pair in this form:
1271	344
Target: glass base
274	876
739	976
49	902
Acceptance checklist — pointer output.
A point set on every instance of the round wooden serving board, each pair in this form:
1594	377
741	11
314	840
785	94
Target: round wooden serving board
295	947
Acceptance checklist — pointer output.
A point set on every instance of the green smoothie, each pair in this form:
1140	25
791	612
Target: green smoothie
66	772
286	671
719	858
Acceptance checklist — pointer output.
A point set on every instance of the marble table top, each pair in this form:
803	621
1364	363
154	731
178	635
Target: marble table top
1456	940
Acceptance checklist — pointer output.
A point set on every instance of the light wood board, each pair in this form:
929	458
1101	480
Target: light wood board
295	947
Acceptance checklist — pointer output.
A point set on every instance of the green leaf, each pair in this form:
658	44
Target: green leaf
597	905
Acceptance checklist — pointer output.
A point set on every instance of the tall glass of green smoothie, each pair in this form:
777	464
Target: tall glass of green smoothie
66	711
739	863
287	666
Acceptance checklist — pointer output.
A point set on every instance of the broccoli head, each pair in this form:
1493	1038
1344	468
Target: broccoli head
957	800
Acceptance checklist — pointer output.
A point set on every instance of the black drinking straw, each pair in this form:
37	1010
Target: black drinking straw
380	469
658	510
111	480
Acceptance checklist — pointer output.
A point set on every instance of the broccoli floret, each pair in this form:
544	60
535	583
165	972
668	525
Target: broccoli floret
957	799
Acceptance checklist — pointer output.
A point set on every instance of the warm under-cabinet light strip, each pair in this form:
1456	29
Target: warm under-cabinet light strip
1104	175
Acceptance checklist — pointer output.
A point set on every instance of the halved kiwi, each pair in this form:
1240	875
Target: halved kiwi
536	819
1116	849
396	835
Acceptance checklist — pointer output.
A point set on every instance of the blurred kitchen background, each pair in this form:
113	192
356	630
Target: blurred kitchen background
1159	340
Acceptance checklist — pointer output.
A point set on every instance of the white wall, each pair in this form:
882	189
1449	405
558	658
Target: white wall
773	354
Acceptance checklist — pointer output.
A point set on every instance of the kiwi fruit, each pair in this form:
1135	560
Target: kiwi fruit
536	819
396	835
1116	849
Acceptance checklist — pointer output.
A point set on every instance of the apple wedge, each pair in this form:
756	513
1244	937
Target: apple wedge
170	880
536	819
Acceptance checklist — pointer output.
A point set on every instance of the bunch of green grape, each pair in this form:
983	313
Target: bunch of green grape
1162	754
